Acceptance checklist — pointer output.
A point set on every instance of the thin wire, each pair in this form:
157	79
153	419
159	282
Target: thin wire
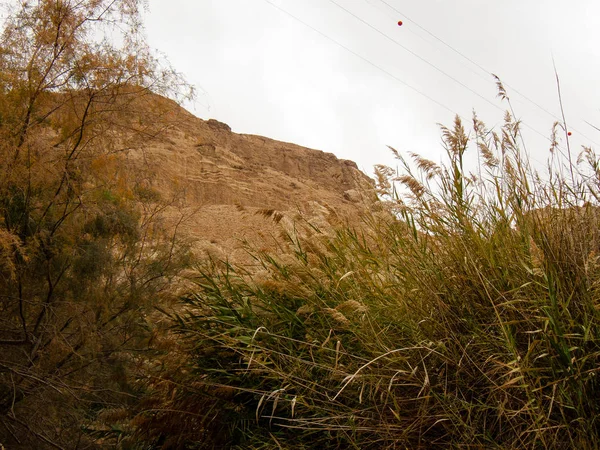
462	55
389	38
484	76
432	65
391	75
466	57
593	126
386	72
368	61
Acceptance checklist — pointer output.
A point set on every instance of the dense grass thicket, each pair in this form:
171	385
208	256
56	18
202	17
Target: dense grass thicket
464	313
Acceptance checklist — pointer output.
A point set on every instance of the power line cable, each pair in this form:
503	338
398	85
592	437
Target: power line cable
376	66
416	55
465	57
430	64
358	55
479	66
484	76
391	75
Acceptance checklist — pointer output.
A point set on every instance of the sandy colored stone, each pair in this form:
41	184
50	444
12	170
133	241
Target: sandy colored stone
246	188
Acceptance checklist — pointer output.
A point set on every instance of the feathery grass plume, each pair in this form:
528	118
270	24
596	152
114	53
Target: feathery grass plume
394	152
352	307
337	316
484	143
501	90
553	137
414	185
383	174
455	139
426	166
276	216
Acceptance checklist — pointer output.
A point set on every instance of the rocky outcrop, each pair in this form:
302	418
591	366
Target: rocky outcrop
232	179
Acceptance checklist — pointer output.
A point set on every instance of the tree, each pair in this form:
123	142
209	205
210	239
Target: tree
82	250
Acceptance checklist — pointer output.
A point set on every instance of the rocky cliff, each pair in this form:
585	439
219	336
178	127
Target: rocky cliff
232	181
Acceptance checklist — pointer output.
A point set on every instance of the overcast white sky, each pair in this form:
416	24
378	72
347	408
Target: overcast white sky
263	72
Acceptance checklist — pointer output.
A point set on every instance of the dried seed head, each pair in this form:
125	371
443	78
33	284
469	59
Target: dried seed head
351	307
337	316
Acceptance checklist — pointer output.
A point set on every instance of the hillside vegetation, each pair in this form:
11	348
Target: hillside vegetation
84	250
467	317
461	308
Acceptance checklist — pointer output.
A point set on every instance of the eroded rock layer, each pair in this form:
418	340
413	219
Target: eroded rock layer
234	181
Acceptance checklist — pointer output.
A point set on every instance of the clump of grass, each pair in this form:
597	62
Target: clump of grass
464	313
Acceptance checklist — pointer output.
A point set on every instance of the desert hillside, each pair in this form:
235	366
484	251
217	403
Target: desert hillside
229	180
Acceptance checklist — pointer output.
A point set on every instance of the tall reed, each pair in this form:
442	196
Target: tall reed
465	312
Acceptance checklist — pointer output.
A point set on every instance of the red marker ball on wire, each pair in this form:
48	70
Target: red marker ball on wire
399	23
569	133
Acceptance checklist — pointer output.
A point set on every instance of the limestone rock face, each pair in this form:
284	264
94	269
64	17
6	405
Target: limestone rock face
233	180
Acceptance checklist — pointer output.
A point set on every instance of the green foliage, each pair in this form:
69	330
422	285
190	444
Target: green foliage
467	315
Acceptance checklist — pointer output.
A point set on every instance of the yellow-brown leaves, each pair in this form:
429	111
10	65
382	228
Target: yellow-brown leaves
10	247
